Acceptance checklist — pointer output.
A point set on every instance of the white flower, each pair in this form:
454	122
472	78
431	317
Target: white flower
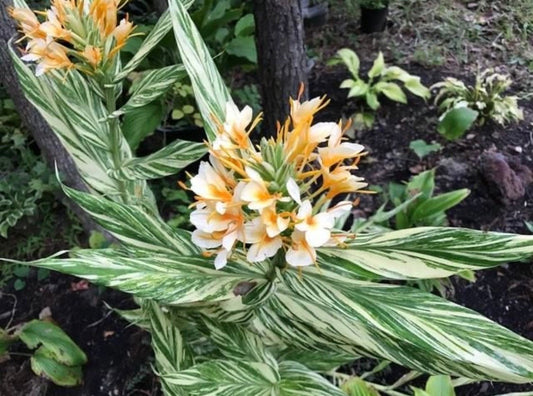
209	185
300	254
317	228
294	190
263	246
274	223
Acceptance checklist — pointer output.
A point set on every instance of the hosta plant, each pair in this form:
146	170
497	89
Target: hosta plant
266	294
382	80
461	105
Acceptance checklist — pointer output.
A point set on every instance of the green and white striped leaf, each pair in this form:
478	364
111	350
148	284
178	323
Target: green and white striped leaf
358	387
169	279
323	360
160	30
423	253
134	226
74	113
242	378
236	342
171	352
153	85
209	89
397	323
168	161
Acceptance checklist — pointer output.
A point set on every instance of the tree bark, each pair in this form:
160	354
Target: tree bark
51	148
282	62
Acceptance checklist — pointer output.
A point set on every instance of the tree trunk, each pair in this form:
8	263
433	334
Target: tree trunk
51	148
281	57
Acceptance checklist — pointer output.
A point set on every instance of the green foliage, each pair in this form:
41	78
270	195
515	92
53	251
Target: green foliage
227	26
422	149
456	122
382	80
56	356
184	109
485	99
374	4
24	178
427	209
437	385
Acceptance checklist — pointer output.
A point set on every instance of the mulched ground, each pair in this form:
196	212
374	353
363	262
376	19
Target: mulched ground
120	356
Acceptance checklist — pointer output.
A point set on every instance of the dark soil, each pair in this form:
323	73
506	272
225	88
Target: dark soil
120	355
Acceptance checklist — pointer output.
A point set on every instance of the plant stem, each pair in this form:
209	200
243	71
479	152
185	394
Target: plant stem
115	138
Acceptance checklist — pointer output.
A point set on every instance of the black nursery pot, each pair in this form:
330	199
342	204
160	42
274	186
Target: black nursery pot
373	20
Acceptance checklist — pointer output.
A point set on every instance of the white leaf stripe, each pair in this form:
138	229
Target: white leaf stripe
210	91
160	30
298	380
133	225
396	323
172	280
153	85
167	161
424	253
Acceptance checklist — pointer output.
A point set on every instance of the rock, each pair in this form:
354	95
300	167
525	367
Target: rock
452	167
507	177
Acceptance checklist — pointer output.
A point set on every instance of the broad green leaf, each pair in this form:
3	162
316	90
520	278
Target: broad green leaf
420	392
456	122
392	91
423	183
414	86
210	91
153	85
401	324
168	161
133	226
142	122
243	47
169	279
396	73
242	378
358	387
372	100
359	88
440	385
422	149
58	345
45	365
160	30
424	253
350	59
377	67
245	26
438	204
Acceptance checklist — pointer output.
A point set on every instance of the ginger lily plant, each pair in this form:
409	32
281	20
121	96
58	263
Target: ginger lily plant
257	325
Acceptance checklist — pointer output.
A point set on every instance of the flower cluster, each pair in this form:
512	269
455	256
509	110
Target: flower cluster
74	33
274	197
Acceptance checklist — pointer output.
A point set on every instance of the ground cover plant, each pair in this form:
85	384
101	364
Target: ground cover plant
286	282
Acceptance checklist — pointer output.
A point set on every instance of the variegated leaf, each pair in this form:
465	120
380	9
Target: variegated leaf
133	225
160	30
50	99
242	378
423	253
396	323
323	360
153	85
171	352
209	89
168	161
236	342
169	279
